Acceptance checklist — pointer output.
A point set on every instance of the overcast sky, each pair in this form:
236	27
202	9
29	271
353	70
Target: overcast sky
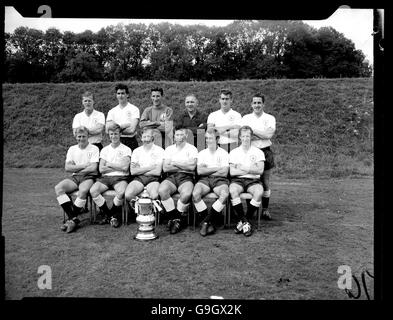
355	24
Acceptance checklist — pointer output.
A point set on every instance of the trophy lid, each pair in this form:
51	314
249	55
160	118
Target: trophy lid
145	194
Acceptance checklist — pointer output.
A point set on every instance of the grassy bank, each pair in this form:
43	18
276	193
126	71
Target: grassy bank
324	126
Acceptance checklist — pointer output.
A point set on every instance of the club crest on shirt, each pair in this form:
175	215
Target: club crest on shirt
153	156
231	118
129	114
119	154
253	158
89	154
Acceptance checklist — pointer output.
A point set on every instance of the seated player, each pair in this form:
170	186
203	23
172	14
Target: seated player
82	161
246	166
146	167
179	163
115	174
212	168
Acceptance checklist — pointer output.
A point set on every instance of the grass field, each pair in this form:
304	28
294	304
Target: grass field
319	224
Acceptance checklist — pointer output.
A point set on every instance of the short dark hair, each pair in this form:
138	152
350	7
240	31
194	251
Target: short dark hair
259	95
121	86
180	127
226	91
160	90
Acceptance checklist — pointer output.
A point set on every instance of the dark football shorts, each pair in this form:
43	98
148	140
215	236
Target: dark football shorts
213	181
179	178
110	181
245	182
130	142
269	162
145	180
78	179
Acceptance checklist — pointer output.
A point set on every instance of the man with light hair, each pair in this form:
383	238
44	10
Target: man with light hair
212	168
263	126
115	174
179	165
226	121
246	166
82	162
126	115
146	167
90	118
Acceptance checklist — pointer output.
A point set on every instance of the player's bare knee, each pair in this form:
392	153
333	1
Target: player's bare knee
257	194
185	197
94	192
83	193
223	196
163	193
120	195
196	195
153	195
129	195
234	192
59	190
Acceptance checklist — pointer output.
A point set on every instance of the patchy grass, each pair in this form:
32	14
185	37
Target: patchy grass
319	224
323	125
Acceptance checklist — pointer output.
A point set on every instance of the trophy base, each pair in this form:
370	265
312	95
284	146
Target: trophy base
146	237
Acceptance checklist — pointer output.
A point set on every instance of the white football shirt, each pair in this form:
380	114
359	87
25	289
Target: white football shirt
115	155
247	158
188	152
265	123
144	158
220	158
90	122
83	156
219	118
124	115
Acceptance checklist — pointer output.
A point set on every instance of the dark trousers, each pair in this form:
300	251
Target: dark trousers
132	143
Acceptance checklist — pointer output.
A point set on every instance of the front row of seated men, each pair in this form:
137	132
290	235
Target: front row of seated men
163	173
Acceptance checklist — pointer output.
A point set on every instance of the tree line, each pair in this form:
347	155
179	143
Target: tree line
242	50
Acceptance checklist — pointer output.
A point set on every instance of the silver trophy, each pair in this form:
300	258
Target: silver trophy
145	209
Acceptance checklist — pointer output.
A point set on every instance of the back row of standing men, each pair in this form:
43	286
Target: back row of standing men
123	165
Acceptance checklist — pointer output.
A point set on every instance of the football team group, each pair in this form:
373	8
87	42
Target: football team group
234	157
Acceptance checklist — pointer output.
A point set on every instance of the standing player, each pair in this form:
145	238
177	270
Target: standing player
146	167
226	121
160	118
263	126
126	115
90	118
179	163
82	161
212	168
114	167
192	118
246	166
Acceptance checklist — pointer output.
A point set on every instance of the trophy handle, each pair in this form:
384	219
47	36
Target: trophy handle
133	206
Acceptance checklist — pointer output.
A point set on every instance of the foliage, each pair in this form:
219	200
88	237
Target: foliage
242	50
